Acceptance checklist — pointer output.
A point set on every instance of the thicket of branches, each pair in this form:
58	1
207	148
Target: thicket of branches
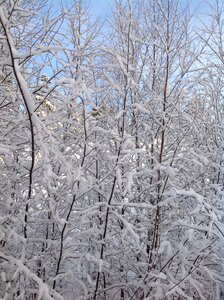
111	152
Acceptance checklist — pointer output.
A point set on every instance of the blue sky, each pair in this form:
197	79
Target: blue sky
102	8
99	8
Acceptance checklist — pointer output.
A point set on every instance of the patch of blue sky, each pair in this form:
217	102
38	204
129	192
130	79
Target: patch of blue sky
98	8
103	9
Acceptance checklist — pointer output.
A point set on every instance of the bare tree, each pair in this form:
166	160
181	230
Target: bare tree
111	152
